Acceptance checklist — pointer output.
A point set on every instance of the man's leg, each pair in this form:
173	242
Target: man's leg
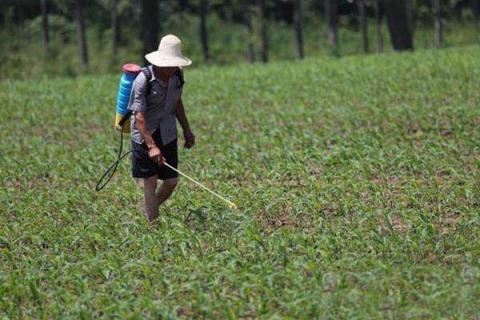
151	201
166	190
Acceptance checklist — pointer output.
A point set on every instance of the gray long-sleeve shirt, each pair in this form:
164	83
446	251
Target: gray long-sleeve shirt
159	106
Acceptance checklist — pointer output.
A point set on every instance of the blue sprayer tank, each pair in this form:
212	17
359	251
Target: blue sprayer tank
130	72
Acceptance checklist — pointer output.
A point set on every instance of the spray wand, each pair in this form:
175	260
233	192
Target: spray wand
231	205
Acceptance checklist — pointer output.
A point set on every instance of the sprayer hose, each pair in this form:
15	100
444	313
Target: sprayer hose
113	168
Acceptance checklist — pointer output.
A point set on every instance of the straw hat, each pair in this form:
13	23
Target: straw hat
169	53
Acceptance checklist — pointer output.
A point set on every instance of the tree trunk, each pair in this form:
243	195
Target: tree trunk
150	25
46	38
378	24
410	13
203	29
81	36
331	18
115	28
18	15
263	31
437	11
364	25
476	9
247	22
297	21
399	24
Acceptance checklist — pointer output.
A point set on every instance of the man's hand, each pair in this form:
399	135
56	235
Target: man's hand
189	139
156	155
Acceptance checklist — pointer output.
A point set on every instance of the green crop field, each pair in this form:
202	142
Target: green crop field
357	181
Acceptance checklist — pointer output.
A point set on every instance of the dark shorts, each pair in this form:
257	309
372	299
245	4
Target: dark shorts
144	167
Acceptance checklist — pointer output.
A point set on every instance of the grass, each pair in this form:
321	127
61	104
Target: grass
357	181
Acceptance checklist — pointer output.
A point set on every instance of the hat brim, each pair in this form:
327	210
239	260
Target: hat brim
159	60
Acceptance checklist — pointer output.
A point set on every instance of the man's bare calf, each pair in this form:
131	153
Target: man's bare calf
154	198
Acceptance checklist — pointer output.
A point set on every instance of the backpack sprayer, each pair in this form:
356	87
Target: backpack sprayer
122	123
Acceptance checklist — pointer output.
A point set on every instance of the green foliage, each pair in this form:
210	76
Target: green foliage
22	52
357	181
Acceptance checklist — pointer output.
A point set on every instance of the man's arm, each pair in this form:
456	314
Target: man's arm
153	151
182	118
141	123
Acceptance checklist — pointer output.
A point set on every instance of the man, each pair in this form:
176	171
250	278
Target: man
156	104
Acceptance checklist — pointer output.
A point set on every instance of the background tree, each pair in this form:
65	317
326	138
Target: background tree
92	28
476	9
115	27
81	35
150	25
399	24
203	10
46	38
297	22
247	23
331	18
263	30
18	13
378	7
363	24
437	12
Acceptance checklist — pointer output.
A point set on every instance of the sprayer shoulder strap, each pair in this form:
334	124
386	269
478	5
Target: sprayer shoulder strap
148	74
